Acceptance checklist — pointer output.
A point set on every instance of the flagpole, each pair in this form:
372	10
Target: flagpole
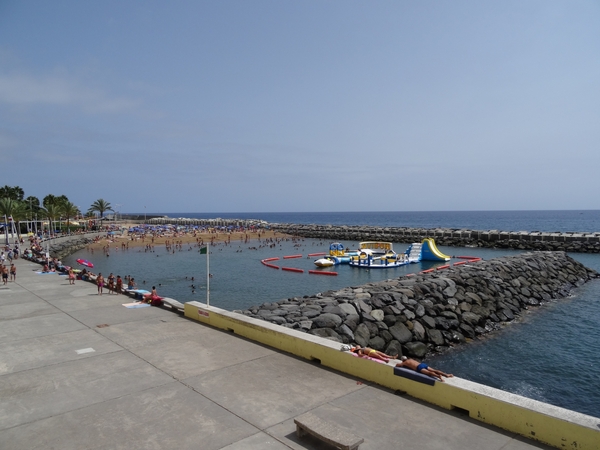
207	274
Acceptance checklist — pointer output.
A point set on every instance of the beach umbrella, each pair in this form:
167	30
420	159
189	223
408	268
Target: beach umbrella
85	262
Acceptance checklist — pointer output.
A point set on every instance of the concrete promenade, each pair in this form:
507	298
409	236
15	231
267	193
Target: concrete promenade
80	371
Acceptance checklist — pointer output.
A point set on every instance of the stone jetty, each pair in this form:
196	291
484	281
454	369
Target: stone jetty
62	246
425	313
452	237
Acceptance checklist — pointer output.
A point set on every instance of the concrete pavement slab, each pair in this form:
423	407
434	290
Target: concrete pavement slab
25	354
377	409
22	310
32	327
271	389
115	314
149	332
389	422
165	417
199	353
77	298
43	392
75	302
259	441
26	309
14	294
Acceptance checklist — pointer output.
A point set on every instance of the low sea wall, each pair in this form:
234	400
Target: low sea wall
429	312
521	240
542	422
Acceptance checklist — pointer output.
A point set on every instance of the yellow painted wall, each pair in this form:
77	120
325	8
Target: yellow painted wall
565	431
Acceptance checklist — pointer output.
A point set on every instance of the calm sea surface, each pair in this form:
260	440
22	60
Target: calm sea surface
552	355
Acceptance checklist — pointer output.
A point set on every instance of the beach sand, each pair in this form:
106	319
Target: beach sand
186	238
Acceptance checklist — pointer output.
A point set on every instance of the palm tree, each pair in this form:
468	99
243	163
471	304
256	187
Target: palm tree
100	206
51	212
69	210
12	192
11	209
19	215
8	206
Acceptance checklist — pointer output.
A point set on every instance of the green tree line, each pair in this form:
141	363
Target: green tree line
13	203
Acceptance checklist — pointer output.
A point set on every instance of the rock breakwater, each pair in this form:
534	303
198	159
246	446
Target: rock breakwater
522	240
424	313
66	245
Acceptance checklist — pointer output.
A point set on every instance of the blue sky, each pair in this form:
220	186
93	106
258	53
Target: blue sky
260	106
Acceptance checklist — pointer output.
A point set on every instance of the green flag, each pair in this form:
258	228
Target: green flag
203	251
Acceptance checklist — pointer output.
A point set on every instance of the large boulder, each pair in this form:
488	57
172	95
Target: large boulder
348	309
327	333
362	335
416	349
400	332
310	313
377	343
418	331
352	321
377	314
344	330
435	337
394	348
327	320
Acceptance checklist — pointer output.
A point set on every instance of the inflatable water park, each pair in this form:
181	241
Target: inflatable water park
380	255
337	255
373	255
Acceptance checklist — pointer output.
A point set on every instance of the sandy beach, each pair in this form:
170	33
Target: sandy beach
185	238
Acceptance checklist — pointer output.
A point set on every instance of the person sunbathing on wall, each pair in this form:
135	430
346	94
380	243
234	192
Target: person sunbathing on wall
423	368
371	353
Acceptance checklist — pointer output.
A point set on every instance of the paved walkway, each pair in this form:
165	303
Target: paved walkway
79	371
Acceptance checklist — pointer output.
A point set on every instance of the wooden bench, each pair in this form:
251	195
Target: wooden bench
326	432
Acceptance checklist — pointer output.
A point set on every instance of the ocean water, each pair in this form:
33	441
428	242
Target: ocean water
551	355
549	221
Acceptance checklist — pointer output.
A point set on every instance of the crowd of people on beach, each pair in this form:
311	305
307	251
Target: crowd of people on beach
113	284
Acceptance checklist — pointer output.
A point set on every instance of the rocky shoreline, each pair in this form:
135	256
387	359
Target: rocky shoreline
425	313
521	240
66	245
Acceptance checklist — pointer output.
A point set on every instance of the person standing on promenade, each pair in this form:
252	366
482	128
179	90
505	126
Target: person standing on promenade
100	283
4	274
13	272
111	283
71	276
119	287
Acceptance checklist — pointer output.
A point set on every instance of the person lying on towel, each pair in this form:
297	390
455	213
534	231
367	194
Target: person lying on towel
423	368
366	351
